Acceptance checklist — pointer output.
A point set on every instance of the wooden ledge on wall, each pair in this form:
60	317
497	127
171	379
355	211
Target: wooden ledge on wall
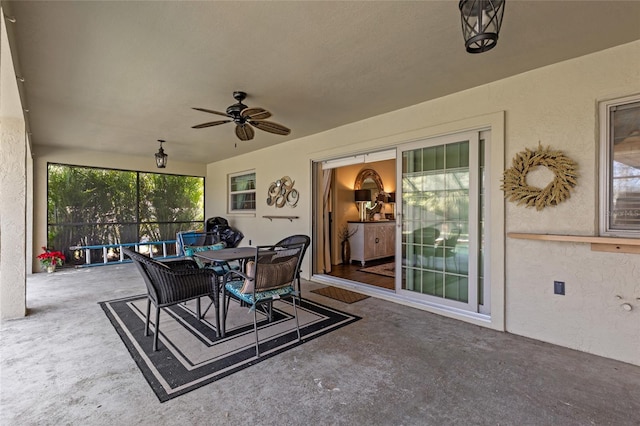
290	218
607	244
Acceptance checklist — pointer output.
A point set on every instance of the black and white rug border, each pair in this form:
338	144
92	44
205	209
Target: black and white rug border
155	365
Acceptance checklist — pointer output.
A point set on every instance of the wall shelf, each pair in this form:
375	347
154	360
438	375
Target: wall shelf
281	217
608	244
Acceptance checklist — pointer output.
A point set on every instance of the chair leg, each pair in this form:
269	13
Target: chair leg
216	305
255	329
299	289
155	336
215	301
146	324
198	309
295	313
225	308
208	307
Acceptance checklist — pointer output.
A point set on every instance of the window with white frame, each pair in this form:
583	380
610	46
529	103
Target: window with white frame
620	167
242	192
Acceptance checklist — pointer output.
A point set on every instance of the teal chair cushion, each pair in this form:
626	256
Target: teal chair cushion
190	250
235	288
219	268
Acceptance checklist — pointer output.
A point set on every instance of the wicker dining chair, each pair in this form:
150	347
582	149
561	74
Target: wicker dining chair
172	282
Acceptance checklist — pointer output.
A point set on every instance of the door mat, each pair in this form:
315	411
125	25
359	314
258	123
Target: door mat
340	294
385	269
191	355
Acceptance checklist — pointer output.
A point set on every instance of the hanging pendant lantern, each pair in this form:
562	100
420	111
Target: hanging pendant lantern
161	157
481	21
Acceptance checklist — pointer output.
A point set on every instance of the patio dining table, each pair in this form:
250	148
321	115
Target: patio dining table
228	254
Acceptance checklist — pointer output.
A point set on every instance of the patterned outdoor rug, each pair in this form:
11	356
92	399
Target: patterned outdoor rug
340	294
386	269
189	353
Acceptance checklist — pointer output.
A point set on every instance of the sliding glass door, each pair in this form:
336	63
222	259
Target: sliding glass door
441	221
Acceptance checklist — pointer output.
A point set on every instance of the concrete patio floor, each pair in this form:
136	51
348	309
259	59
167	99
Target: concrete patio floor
65	364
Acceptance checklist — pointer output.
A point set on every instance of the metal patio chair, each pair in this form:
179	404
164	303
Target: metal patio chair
293	240
269	277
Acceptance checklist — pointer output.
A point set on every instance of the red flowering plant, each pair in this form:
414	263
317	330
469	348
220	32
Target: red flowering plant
51	258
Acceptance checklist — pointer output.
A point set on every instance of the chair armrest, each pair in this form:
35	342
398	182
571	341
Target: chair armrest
174	285
181	263
175	275
230	275
182	272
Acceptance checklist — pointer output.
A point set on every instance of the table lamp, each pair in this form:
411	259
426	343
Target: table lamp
361	196
392	200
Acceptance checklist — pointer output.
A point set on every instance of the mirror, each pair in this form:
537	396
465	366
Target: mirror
370	179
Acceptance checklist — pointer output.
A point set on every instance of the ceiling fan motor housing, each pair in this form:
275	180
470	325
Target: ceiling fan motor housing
235	109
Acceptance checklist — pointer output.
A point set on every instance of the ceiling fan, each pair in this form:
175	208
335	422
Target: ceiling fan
242	115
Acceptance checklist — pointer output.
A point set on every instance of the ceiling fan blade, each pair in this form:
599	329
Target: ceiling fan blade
212	111
271	127
244	132
255	113
211	123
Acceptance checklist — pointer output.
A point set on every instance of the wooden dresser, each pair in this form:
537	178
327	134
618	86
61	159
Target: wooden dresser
373	240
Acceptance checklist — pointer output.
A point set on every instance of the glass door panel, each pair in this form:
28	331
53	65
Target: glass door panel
439	220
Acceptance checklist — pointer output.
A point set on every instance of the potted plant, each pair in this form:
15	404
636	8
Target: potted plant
50	259
344	235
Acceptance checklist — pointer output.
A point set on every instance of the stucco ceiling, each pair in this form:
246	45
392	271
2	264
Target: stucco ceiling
117	76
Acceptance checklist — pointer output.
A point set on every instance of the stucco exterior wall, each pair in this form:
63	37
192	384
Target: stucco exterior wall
562	102
555	105
12	218
281	160
14	162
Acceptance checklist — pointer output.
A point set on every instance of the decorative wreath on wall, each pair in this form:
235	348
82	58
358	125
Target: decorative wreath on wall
281	192
514	182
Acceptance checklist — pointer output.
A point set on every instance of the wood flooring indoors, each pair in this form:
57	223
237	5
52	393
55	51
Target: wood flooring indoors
351	272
